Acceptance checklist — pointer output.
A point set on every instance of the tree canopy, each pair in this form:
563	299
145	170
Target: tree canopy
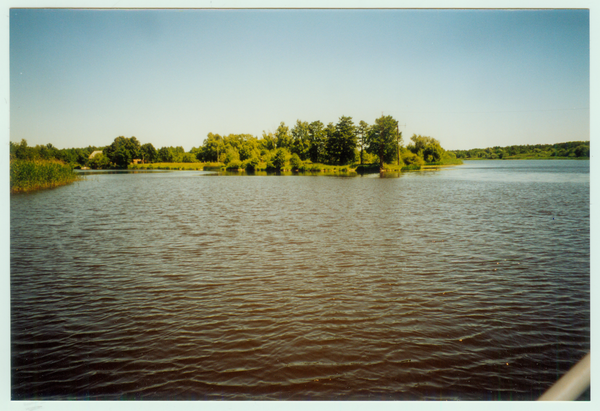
383	139
123	150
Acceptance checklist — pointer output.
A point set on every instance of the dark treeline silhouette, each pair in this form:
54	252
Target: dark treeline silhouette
572	149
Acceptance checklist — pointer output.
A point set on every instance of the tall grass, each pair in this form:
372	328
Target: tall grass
27	175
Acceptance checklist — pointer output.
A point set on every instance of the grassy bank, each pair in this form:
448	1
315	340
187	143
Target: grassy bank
28	175
169	166
306	167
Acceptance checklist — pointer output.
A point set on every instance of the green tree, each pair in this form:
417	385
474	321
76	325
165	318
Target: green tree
268	142
122	151
98	162
383	139
213	147
280	158
231	154
362	132
341	145
317	151
282	135
301	139
295	162
419	143
148	153
433	152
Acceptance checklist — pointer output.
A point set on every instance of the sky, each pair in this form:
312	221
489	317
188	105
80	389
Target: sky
469	78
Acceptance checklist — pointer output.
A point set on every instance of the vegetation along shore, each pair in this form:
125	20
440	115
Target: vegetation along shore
313	147
30	175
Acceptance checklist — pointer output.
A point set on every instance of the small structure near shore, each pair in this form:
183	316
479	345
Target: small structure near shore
95	153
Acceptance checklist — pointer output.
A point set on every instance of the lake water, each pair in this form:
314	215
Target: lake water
466	283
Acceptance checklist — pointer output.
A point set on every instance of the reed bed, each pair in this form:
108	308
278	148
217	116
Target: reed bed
26	175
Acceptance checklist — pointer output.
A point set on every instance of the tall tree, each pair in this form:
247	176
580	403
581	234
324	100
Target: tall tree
342	144
362	132
301	139
148	153
419	143
318	138
123	150
383	139
213	147
282	135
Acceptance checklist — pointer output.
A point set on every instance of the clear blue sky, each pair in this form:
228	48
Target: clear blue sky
469	78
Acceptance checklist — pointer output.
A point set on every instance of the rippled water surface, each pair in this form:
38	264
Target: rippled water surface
469	283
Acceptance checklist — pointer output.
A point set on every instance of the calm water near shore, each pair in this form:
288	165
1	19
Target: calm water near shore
465	283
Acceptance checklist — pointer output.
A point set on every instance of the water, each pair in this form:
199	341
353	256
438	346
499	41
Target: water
467	283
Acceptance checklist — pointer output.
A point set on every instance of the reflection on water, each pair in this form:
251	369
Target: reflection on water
464	283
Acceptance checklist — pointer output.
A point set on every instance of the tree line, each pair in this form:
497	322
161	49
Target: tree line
342	143
572	149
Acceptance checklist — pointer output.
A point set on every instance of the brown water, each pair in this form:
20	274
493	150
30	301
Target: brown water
469	283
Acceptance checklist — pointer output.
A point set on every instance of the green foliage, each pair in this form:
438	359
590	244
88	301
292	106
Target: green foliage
148	153
268	142
295	162
317	151
234	164
279	159
411	167
98	162
411	159
419	143
283	137
362	133
383	139
29	175
301	140
188	158
433	153
571	149
342	142
251	164
231	154
122	151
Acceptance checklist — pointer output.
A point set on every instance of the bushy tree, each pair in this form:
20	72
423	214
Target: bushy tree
282	135
409	158
231	154
419	143
317	151
383	139
98	162
301	140
280	158
122	151
295	162
362	133
342	143
148	153
268	142
213	148
433	152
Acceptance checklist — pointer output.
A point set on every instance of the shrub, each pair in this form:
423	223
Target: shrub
295	162
251	164
279	159
234	165
411	158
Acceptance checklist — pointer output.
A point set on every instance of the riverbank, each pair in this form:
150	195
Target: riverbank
26	176
305	167
528	158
